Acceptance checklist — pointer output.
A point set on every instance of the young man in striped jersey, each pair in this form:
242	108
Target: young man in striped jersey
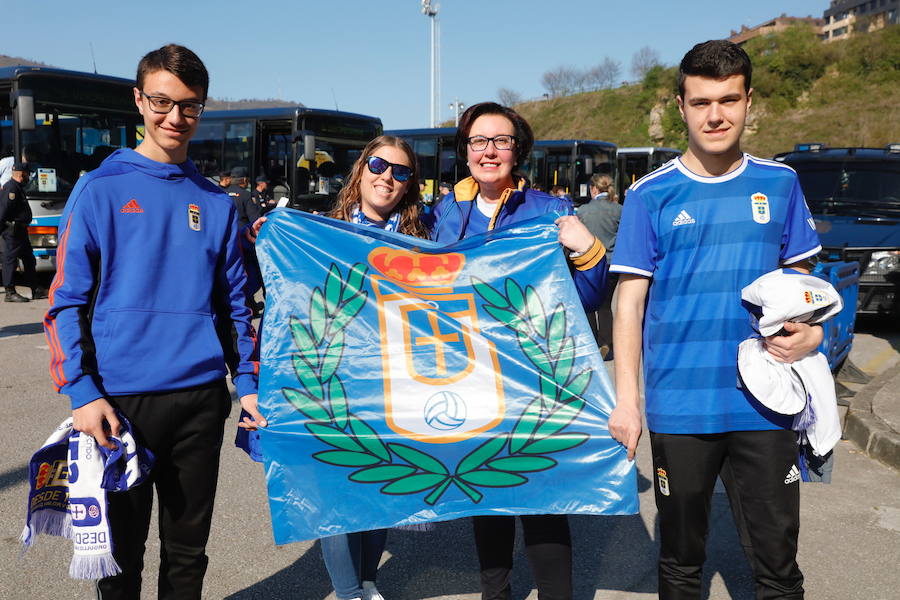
693	234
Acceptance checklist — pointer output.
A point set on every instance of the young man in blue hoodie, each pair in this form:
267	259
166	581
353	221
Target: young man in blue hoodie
148	264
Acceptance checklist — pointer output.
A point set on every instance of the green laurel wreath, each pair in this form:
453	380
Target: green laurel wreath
501	461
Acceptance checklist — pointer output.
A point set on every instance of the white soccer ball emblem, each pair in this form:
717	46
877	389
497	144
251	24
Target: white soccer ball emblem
445	411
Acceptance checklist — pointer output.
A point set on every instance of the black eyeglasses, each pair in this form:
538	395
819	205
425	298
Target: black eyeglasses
163	106
478	143
378	165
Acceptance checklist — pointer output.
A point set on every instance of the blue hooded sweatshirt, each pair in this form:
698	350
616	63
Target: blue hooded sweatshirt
148	262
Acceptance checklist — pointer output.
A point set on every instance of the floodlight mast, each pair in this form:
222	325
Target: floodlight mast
431	12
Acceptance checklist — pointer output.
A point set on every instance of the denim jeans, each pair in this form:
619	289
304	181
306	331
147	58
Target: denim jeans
352	558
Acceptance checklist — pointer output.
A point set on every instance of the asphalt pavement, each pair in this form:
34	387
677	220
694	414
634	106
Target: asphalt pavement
849	541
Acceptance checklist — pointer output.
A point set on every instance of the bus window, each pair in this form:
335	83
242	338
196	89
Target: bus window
448	164
278	156
6	135
426	152
558	169
238	145
63	146
206	148
535	167
602	163
427	155
333	164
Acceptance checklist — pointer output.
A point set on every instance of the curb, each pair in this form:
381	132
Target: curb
867	430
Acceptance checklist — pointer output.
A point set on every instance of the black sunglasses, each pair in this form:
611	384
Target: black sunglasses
378	165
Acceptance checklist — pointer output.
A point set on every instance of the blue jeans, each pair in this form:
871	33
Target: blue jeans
352	558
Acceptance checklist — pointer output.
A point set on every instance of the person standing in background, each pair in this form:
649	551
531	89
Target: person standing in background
240	195
15	215
601	216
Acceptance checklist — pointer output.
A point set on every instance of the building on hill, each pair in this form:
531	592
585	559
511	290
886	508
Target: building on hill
773	26
845	17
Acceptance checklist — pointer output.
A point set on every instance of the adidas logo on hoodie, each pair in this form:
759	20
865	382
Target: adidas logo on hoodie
792	476
683	218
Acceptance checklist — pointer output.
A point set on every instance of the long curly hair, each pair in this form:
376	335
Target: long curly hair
408	207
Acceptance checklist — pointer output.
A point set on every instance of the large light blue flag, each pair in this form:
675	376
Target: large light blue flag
406	382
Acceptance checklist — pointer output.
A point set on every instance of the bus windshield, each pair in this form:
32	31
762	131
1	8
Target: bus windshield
334	160
64	145
270	142
849	188
568	165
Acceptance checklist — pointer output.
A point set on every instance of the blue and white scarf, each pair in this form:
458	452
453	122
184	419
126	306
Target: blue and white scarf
69	478
357	216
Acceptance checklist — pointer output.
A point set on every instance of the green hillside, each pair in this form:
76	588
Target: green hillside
843	94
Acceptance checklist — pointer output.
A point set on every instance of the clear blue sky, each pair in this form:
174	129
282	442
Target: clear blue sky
372	57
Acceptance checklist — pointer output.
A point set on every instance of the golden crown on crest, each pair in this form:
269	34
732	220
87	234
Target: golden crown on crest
416	269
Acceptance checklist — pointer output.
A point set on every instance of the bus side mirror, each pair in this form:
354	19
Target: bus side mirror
589	165
24	104
309	148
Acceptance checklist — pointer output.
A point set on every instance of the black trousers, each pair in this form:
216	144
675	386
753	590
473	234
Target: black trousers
17	245
760	475
183	429
548	545
601	321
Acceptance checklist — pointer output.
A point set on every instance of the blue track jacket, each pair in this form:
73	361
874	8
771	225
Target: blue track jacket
148	262
451	220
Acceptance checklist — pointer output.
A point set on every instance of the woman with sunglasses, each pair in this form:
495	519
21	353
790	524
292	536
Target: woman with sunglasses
382	191
495	140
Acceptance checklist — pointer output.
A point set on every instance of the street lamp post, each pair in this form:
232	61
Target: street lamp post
457	107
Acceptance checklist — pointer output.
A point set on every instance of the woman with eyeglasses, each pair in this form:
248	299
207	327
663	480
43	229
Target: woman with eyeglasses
495	141
382	191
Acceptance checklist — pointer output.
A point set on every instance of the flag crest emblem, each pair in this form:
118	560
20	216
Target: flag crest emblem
760	206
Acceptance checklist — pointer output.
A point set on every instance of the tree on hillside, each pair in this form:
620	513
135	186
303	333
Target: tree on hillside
604	75
561	81
643	60
508	97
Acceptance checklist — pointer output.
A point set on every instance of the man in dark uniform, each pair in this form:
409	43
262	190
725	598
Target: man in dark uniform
262	200
15	215
224	180
240	195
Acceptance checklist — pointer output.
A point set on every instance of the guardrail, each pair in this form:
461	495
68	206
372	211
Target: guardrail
838	340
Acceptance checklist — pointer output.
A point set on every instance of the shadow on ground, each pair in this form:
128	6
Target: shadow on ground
21	329
610	553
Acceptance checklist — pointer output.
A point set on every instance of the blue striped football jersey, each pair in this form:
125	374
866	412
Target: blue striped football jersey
701	240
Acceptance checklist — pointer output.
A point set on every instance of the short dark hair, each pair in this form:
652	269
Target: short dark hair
177	60
716	59
524	134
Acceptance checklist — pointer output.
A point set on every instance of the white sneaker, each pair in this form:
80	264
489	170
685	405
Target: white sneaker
370	592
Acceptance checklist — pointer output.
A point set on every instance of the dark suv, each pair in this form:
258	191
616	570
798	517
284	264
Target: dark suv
854	196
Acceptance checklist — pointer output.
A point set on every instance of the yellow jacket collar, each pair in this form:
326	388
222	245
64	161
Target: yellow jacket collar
466	189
